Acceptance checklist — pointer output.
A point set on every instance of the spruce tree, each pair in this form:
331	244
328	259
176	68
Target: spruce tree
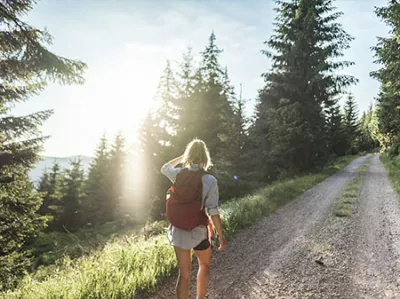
240	129
302	84
237	149
73	196
190	116
365	140
186	108
50	187
116	177
166	116
208	98
215	119
259	146
186	75
351	122
97	187
386	54
215	113
148	187
44	188
336	132
27	65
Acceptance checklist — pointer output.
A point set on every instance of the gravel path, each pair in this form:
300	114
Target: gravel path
304	251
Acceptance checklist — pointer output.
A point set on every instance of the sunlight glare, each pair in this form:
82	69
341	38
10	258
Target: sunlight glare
121	94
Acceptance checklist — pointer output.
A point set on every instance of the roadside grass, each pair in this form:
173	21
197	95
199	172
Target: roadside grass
49	247
393	168
241	213
350	193
52	250
133	264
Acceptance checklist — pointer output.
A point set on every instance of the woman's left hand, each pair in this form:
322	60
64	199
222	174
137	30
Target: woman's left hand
210	233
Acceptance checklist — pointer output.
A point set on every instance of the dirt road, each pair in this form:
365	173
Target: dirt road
305	251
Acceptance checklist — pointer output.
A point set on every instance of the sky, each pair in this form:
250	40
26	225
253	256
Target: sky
126	45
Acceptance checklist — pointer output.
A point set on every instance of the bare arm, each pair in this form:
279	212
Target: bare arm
175	161
169	169
216	219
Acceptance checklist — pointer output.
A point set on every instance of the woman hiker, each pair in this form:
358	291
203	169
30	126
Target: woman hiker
191	200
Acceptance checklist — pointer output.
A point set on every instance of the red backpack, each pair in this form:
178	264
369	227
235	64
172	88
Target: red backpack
184	200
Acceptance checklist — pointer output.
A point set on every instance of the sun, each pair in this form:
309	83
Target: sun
120	96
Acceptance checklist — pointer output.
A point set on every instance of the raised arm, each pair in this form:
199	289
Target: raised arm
169	169
175	161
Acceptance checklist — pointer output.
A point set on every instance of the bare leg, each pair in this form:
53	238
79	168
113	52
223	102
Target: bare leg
184	258
203	276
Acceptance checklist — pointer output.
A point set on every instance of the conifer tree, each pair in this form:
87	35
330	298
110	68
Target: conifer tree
73	196
186	108
186	75
27	65
386	54
97	188
147	180
336	132
351	122
116	177
365	140
301	84
44	187
215	113
166	116
237	148
215	119
50	186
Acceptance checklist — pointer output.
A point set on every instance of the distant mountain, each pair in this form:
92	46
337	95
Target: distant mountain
47	163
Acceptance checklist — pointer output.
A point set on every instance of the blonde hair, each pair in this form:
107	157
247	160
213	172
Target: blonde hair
197	153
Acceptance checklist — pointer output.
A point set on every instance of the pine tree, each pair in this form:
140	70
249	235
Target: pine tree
73	194
166	117
44	188
191	114
259	146
167	114
240	127
186	76
26	67
365	140
215	113
210	68
302	84
116	177
186	82
336	132
215	118
147	179
386	54
209	98
237	150
97	204
351	122
50	186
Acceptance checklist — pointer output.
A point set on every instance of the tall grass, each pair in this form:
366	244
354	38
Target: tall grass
49	247
393	168
127	267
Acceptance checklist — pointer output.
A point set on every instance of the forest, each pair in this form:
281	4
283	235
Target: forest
298	127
